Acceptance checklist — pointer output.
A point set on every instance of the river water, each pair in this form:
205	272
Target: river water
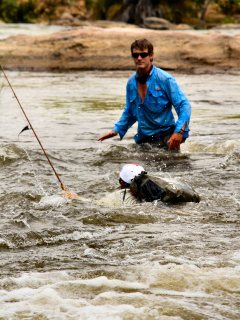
63	259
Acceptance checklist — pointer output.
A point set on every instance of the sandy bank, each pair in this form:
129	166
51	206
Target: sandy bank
91	48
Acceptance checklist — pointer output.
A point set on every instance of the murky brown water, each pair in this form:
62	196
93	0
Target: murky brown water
78	260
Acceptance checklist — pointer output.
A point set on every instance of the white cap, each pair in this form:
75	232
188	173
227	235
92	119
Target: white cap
130	171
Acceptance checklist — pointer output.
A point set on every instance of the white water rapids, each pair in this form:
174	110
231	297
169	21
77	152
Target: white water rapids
79	260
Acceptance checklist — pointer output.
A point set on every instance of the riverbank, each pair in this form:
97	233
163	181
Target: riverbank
107	48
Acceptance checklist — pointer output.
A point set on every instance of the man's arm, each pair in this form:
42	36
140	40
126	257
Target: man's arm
180	104
123	124
108	135
176	139
120	127
183	110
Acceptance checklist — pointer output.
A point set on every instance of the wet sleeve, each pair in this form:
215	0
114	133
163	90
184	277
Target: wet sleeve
180	103
126	120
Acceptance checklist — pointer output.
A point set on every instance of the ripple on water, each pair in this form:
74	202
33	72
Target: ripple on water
144	262
225	147
10	153
122	216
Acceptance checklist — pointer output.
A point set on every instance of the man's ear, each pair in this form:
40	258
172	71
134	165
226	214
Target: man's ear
151	57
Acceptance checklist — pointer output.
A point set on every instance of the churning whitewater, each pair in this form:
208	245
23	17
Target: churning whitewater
90	259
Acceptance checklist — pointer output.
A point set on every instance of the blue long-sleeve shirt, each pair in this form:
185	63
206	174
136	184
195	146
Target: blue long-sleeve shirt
154	114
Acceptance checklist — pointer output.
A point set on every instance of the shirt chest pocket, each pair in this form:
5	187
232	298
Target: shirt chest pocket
133	102
132	96
156	100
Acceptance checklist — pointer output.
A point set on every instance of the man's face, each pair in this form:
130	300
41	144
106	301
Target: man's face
142	59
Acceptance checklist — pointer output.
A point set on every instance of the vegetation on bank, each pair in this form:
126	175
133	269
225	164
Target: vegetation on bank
196	13
13	11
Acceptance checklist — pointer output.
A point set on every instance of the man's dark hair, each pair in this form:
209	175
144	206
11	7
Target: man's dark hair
142	44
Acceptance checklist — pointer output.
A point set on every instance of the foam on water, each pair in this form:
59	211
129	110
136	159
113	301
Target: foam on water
148	261
115	199
225	147
51	201
60	295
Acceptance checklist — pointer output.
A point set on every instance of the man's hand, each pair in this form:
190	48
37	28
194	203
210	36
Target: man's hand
108	135
175	141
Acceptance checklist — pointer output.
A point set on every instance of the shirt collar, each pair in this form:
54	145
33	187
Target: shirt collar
146	77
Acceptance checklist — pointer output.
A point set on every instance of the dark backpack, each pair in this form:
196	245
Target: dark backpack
145	189
150	188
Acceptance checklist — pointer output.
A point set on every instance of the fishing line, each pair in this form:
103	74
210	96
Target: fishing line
67	193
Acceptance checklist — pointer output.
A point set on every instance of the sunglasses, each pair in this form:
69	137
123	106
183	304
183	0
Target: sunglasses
135	55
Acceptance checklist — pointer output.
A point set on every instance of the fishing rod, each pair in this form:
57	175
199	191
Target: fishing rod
67	193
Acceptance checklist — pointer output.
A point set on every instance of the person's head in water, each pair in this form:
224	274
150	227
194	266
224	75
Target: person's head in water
128	173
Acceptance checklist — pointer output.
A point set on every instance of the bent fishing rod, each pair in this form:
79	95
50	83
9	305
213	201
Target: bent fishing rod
63	187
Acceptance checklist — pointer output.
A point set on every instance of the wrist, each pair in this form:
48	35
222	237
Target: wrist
113	133
178	133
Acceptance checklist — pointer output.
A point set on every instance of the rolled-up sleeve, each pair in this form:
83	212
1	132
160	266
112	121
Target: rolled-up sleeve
180	104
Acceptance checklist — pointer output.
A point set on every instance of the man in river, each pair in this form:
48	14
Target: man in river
151	93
